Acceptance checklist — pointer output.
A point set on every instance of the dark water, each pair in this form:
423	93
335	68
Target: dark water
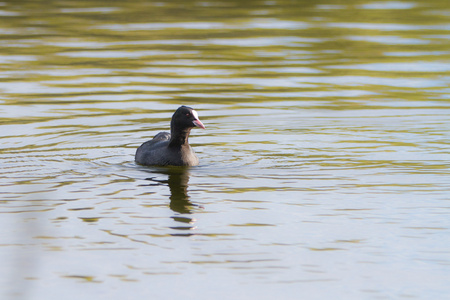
324	169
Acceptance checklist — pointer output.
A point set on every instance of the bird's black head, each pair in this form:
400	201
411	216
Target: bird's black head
185	118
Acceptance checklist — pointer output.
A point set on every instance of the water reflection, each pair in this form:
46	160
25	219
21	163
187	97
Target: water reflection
178	182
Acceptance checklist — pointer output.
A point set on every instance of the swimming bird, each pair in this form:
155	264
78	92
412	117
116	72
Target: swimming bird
172	149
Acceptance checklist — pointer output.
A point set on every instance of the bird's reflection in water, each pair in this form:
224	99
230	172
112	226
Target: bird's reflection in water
178	181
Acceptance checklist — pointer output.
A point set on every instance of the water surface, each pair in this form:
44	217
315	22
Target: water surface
324	169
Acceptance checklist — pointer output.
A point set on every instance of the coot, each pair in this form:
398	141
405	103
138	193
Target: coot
172	149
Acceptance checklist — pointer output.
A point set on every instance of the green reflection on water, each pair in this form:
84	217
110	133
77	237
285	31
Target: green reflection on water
162	49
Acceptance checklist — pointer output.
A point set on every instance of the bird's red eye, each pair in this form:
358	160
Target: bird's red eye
188	114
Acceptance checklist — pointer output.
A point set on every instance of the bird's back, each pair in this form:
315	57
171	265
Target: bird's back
157	152
149	152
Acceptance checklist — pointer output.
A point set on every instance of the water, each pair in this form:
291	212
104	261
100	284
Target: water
324	169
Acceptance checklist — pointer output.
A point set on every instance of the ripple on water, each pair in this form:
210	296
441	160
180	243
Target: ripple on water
325	154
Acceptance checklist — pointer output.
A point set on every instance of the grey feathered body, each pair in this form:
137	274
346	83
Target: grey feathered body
159	152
